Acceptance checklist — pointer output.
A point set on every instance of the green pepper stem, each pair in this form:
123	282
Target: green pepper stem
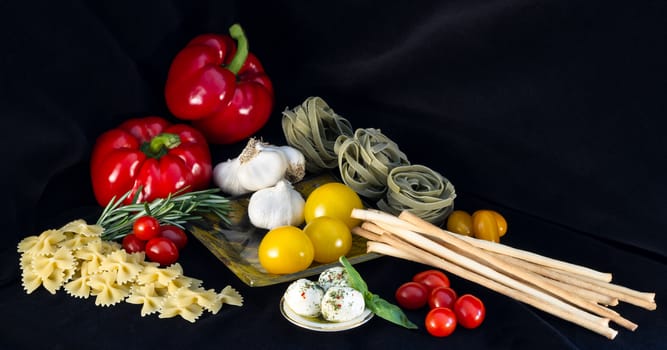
160	144
236	32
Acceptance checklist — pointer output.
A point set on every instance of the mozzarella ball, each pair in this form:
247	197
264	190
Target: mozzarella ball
304	296
333	276
341	304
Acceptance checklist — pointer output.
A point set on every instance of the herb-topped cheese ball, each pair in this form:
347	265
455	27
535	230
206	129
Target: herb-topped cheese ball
334	276
341	304
304	296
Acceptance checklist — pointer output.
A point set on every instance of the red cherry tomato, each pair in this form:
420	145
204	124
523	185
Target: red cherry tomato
162	250
132	243
174	234
442	297
470	311
440	322
146	227
432	279
412	295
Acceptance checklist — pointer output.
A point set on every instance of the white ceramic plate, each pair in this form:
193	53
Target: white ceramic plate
322	325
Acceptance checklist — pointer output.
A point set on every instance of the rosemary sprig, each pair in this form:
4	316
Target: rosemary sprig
176	209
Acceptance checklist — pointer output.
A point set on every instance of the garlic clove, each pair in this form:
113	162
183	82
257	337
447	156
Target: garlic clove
260	166
296	163
276	206
225	176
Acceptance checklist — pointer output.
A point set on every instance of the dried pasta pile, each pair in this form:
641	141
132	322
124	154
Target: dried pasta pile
77	260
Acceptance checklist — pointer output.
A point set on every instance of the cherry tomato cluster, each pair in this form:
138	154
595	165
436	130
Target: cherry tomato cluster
446	308
484	224
325	237
162	243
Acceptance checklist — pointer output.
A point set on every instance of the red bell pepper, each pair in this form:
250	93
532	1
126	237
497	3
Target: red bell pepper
151	155
222	88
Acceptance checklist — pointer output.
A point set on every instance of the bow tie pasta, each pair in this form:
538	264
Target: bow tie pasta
76	259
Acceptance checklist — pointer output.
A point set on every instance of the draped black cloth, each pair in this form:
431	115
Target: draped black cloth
551	112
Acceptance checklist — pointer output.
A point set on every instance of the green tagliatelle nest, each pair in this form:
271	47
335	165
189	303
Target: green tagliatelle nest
368	161
420	190
365	160
313	128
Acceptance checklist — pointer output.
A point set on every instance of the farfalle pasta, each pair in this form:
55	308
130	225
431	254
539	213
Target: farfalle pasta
93	254
78	287
76	241
152	273
45	270
44	244
125	266
231	296
183	282
61	260
30	280
106	290
172	308
76	259
147	296
182	302
208	299
82	228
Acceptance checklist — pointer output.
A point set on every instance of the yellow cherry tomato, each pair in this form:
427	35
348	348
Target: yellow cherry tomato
331	238
502	223
460	221
285	249
484	226
333	199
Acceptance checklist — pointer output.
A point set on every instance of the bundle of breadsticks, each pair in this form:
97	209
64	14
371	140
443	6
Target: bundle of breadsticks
572	292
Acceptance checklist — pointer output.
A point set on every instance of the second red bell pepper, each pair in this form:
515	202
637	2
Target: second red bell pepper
150	157
220	86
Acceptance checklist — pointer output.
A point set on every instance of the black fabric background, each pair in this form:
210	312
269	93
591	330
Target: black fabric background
550	111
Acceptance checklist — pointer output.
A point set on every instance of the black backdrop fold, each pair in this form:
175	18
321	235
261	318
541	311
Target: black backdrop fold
549	111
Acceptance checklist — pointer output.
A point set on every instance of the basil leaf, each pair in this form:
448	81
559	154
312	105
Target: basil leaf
354	278
377	305
388	311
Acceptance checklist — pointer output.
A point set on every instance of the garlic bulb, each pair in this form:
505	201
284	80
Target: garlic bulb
225	176
261	166
275	206
296	163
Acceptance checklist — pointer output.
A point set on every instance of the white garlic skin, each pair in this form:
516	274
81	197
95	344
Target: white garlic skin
276	206
296	163
261	167
225	176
